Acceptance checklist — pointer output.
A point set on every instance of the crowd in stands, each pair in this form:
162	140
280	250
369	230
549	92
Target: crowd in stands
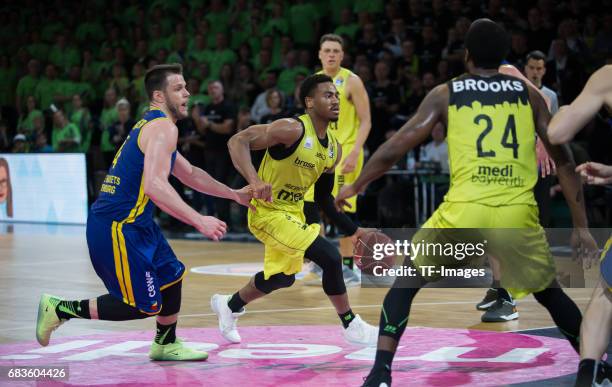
72	72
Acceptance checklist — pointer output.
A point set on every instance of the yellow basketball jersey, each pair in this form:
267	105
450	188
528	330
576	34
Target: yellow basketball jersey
293	171
345	129
491	141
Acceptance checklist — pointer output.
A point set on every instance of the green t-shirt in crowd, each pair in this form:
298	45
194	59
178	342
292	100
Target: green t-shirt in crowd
349	30
81	119
219	58
46	90
26	87
39	51
26	125
286	79
302	18
68	132
107	117
64	58
90	31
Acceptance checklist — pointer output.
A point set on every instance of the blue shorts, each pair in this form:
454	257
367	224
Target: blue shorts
135	263
606	263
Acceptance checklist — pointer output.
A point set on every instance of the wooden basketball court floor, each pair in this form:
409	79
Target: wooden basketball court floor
50	260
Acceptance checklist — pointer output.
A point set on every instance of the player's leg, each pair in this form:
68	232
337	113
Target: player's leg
313	216
346	247
594	334
393	322
166	279
324	254
285	237
498	304
229	308
111	261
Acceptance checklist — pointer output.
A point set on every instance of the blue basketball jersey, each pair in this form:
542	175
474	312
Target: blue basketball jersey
122	196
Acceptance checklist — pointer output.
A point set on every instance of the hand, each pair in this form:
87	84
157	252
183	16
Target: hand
243	196
346	192
350	162
545	163
211	227
595	173
584	247
360	233
262	191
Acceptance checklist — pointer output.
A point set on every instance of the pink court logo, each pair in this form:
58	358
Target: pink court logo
304	356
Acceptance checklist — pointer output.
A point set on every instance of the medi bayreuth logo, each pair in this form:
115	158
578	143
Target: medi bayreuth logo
487	174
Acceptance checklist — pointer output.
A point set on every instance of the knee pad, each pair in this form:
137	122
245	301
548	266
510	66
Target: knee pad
171	299
276	281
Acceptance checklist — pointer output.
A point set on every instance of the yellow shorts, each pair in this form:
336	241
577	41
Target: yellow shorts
285	237
343	179
527	266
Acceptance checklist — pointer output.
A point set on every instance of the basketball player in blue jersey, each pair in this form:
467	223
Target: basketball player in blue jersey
127	249
597	321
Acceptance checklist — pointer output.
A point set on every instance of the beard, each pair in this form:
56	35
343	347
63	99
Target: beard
174	109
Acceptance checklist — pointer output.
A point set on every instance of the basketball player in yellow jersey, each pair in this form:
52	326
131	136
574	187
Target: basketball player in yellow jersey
491	120
300	153
597	322
351	130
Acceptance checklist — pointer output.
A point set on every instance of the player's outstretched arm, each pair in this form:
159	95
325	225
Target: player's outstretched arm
582	241
412	133
569	120
201	181
158	141
280	132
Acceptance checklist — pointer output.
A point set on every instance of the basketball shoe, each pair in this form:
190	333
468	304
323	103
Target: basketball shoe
360	332
47	320
378	378
488	300
502	311
176	351
227	318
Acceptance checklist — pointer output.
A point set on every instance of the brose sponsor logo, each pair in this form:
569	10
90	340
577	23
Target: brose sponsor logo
486	174
290	196
482	85
303	164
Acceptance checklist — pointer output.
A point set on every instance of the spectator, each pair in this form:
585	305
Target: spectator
5	142
260	108
81	117
26	121
518	49
369	42
229	82
347	26
42	144
564	72
276	103
393	41
385	99
20	144
221	55
247	87
109	111
66	136
218	123
437	149
115	134
286	78
538	36
49	89
428	49
27	85
409	60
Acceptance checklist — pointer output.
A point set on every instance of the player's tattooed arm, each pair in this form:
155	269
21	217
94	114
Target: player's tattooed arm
284	132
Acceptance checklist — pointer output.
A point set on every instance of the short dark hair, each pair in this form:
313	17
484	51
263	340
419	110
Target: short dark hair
487	43
331	38
536	55
310	83
156	77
